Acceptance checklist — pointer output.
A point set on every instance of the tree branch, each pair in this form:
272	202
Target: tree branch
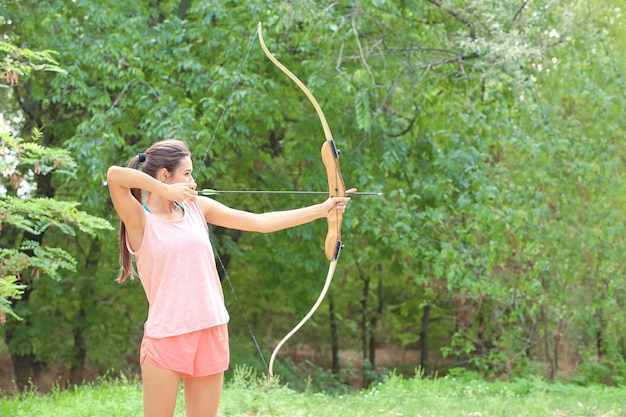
457	16
183	7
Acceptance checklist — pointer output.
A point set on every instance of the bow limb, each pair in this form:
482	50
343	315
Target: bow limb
300	84
336	188
320	298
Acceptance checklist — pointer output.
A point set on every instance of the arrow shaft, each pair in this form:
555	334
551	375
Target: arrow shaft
214	192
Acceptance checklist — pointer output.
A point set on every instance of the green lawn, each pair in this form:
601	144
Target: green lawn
444	397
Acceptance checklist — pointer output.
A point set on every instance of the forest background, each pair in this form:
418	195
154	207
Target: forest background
495	130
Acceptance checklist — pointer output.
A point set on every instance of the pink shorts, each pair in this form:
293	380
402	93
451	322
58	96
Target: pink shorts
201	353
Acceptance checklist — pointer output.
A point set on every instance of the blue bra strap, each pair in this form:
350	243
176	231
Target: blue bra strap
175	202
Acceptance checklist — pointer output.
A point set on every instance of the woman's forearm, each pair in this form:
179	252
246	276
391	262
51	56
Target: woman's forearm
279	220
133	178
224	216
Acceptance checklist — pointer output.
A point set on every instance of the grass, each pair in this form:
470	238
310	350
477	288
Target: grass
246	396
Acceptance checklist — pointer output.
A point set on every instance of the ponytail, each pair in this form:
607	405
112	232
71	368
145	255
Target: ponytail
164	154
126	262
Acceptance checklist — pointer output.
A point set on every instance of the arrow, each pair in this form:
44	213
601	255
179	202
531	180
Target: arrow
208	191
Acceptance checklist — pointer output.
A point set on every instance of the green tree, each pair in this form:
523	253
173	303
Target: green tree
24	255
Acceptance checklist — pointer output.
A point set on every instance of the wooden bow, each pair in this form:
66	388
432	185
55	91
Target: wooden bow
336	188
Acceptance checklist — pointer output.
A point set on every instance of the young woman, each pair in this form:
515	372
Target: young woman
166	232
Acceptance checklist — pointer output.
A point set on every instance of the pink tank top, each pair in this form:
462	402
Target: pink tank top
177	270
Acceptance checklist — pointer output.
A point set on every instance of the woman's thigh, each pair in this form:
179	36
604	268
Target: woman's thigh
202	395
160	389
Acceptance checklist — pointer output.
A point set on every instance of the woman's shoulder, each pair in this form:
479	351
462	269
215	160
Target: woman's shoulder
194	208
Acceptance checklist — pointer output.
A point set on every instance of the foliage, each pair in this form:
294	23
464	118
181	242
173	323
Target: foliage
25	159
10	289
19	62
494	129
37	215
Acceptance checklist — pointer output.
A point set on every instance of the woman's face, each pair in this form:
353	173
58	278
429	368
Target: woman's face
182	174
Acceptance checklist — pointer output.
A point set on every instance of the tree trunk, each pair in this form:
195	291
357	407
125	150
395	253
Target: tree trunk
85	289
334	335
557	345
25	367
26	370
374	324
183	6
481	346
424	352
217	236
551	341
364	332
600	349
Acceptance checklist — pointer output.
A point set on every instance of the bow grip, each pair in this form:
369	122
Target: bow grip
336	188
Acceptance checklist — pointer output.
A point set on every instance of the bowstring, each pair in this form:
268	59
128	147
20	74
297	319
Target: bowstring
206	153
230	97
243	313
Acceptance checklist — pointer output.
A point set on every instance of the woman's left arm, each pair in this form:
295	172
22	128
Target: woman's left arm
220	215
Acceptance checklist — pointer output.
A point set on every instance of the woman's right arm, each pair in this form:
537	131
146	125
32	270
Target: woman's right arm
120	180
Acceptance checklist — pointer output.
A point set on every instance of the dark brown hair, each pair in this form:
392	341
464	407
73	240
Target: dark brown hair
164	154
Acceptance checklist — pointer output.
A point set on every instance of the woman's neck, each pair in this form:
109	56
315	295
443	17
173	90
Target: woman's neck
164	208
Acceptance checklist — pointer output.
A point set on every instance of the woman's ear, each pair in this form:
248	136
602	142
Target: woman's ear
163	174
